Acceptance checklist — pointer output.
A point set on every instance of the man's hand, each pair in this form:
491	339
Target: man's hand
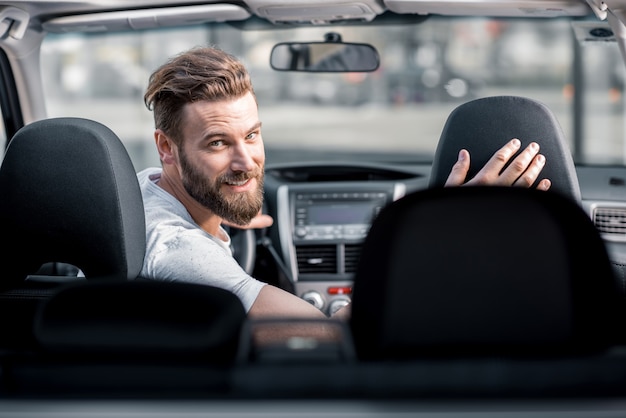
522	172
260	221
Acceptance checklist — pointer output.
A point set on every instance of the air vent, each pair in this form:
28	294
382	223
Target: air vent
317	259
352	258
611	221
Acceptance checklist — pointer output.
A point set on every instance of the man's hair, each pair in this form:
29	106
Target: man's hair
201	73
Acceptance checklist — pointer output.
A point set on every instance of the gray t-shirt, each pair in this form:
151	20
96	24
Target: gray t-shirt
178	250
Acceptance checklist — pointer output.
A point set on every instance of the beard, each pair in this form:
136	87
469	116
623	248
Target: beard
238	208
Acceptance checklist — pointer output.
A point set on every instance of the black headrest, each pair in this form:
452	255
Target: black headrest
70	194
141	317
482	270
483	126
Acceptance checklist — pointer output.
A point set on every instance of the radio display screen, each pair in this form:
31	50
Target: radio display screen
341	213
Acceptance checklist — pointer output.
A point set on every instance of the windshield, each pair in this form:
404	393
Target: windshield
393	114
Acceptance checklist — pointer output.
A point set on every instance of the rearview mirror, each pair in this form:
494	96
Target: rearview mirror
331	56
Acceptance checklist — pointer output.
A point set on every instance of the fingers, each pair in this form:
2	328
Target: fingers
525	169
531	172
491	174
544	185
459	170
522	171
258	222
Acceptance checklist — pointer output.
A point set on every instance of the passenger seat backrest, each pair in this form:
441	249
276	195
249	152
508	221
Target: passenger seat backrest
142	317
129	339
70	194
484	125
483	271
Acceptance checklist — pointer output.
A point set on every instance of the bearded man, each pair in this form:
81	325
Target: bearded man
208	136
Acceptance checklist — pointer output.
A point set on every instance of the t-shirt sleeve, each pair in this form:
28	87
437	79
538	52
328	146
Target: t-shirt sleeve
193	256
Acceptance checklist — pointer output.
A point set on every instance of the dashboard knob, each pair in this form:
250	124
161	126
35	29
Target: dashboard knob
314	298
337	304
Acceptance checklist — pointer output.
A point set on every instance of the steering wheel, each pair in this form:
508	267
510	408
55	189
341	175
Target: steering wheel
243	242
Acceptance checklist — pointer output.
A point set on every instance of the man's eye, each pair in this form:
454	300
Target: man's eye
218	143
252	135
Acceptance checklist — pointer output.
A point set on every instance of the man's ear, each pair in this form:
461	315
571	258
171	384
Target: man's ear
165	147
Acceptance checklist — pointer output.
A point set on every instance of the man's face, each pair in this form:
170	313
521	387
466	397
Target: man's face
222	157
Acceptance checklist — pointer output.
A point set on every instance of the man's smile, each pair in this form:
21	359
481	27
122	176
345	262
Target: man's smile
243	185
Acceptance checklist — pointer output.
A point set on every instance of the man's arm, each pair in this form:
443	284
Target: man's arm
522	172
273	302
286	312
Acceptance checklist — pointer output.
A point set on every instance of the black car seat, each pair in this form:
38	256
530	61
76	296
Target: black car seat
483	270
484	125
70	195
137	338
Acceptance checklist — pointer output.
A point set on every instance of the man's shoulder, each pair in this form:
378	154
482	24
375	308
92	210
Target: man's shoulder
147	179
159	205
148	175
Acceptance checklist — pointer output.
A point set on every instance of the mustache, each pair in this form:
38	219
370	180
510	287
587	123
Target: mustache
239	176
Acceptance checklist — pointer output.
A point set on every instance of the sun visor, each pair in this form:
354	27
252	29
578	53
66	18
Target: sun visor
146	19
528	8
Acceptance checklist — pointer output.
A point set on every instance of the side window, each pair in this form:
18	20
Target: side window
600	125
11	119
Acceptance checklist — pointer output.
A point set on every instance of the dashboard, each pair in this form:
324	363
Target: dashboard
603	190
323	212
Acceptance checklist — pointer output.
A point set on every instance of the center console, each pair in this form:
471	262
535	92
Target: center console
321	232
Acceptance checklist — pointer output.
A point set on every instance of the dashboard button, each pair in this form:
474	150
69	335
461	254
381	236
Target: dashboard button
314	298
337	304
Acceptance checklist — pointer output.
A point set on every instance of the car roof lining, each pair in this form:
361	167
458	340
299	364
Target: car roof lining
146	18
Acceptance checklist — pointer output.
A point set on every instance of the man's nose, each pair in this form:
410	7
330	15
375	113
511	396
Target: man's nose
242	159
